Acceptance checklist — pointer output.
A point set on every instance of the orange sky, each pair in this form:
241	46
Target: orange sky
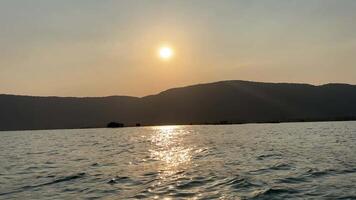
101	48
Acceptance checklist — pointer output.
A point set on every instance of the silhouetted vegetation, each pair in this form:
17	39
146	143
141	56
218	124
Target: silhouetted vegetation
114	125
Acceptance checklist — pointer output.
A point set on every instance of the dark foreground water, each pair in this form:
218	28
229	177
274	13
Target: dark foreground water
254	161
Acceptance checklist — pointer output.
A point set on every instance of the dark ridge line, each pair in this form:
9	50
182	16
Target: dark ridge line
182	87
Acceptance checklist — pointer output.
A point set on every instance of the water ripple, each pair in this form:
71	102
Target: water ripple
255	161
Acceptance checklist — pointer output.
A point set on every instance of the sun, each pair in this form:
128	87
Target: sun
165	52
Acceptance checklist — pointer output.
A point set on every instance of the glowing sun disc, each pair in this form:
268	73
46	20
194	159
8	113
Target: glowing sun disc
165	53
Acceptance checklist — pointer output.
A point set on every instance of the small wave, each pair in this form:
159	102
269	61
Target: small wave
291	180
346	171
151	174
67	178
347	197
116	180
183	194
239	183
27	187
32	168
271	193
36	153
140	196
279	166
79	159
236	183
265	156
315	173
191	184
319	173
122	179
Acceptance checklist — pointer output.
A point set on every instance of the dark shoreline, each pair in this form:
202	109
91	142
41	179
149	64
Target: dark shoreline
192	124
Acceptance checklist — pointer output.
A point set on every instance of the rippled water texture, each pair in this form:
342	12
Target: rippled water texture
253	161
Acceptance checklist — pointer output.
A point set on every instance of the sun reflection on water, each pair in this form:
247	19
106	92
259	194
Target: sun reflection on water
170	148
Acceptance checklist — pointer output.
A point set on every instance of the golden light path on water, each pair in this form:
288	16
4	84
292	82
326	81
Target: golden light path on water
171	149
174	153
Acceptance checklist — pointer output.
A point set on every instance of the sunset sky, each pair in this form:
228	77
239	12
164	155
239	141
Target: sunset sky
103	47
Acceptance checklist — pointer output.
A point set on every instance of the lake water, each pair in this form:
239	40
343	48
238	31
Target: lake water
252	161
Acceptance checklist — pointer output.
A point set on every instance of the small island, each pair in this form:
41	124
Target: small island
115	125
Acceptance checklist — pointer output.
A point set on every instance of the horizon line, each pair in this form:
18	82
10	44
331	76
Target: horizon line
184	86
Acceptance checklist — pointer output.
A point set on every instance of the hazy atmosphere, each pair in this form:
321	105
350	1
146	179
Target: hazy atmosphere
100	48
178	99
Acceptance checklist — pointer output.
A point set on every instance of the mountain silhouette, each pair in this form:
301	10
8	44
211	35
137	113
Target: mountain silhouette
212	103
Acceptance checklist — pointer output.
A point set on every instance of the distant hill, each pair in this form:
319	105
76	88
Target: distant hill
219	102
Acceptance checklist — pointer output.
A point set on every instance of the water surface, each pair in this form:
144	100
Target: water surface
252	161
